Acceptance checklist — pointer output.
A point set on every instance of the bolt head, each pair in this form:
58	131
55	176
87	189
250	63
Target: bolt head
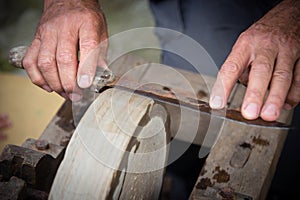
42	144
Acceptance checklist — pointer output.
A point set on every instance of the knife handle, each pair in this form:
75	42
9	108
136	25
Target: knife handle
16	56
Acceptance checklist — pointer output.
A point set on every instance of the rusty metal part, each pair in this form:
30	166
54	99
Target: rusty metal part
36	168
179	97
42	144
102	78
14	189
52	150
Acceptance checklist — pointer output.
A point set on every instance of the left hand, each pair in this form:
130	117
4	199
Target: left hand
265	55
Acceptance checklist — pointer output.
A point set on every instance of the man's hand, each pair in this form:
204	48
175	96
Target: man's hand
267	55
66	27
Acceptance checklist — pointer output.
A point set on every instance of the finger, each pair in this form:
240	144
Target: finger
280	84
229	73
67	61
30	65
259	79
293	97
47	61
89	40
76	94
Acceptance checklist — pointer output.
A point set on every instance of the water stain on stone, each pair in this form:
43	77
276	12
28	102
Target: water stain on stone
260	141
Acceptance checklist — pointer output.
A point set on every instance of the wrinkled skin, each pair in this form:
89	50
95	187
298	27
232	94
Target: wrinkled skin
5	123
265	56
65	28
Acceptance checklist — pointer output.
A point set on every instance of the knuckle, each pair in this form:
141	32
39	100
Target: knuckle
88	44
282	75
89	15
39	81
65	57
262	68
244	36
92	16
229	68
244	39
46	63
28	63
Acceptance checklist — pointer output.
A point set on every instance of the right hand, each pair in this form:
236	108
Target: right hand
65	28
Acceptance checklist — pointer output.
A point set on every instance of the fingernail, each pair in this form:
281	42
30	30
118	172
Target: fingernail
270	110
74	97
287	106
47	88
84	81
216	102
251	111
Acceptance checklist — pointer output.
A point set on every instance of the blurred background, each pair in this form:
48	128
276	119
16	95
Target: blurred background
28	107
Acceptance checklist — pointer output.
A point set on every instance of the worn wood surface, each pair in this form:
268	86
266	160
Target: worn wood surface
244	158
243	161
184	123
116	152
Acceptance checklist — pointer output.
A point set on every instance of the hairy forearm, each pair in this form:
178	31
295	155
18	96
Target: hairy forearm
285	16
60	7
